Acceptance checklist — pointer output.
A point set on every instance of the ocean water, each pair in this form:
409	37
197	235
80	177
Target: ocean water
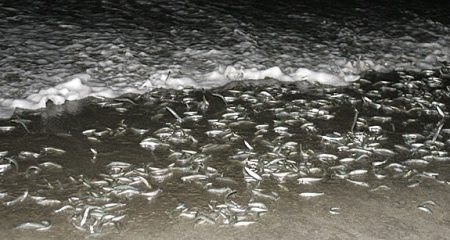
67	51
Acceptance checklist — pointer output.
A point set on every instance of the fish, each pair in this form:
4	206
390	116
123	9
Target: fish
380	188
50	166
308	180
103	133
152	194
215	133
252	174
195	177
203	105
7	129
153	144
358	172
440	112
174	114
85	216
270	195
219	191
64	208
3	194
257	206
19	199
5	167
243	223
38	226
89	132
415	184
94	156
416	162
53	151
139	131
28	155
378	163
118	218
334	210
212	148
249	147
311	194
188	214
141	179
425	209
112	206
383	152
48	202
280	176
325	157
94	140
358	183
347	160
3	154
375	129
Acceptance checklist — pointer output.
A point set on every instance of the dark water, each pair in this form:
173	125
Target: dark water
138	45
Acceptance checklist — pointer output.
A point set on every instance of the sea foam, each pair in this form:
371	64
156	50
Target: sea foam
64	59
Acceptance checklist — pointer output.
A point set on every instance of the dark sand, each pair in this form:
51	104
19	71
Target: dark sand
363	215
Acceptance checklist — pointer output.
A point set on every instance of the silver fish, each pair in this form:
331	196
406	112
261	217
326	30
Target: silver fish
5	167
325	157
266	195
384	152
381	188
3	153
28	155
151	195
64	208
53	151
19	199
311	194
48	202
416	162
425	209
308	180
38	226
6	129
358	172
51	166
174	114
252	174
196	177
243	223
219	191
334	210
358	183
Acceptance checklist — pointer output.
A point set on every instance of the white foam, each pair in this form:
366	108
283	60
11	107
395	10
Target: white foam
221	51
74	89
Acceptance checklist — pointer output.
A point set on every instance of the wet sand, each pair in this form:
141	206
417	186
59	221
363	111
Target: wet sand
345	211
391	215
387	215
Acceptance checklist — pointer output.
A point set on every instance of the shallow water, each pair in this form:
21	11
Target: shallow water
268	141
